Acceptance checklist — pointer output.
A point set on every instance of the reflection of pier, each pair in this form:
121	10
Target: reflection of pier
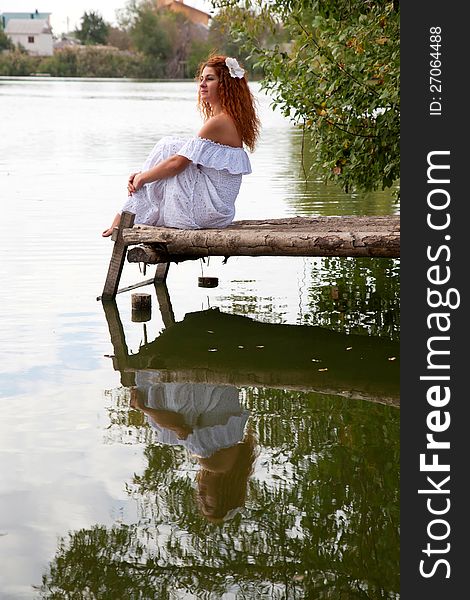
376	236
214	347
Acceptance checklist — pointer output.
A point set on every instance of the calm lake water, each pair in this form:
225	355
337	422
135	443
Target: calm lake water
266	463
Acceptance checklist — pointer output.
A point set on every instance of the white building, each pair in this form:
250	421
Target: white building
35	35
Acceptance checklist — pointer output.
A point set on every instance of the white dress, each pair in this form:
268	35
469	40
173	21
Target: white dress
202	196
213	412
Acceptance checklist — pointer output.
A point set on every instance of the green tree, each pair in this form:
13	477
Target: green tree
93	30
5	42
338	78
171	43
198	52
225	39
148	33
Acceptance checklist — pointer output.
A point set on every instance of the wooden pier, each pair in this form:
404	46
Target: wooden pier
376	236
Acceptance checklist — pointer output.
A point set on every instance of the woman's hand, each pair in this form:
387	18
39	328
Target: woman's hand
135	182
130	184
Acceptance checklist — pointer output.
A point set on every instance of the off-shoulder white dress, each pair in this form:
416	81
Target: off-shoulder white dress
213	412
202	196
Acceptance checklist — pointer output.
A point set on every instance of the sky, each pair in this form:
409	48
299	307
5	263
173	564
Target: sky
66	15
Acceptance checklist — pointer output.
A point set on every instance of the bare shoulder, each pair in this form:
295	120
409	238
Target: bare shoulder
221	129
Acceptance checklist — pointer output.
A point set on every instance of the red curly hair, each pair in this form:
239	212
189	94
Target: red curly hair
236	100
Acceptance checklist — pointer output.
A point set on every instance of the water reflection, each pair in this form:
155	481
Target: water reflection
260	490
209	422
212	346
309	195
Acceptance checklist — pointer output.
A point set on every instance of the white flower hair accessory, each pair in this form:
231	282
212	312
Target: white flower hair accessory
234	68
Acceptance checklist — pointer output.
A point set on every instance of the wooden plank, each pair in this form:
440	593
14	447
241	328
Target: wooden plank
117	258
376	236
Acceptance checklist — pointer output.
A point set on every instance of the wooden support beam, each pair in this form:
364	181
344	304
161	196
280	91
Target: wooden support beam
117	258
164	302
118	340
134	286
161	272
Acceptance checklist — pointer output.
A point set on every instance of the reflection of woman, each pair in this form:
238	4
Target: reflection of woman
193	183
210	423
222	480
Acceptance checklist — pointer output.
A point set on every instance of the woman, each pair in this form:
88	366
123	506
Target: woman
210	422
193	183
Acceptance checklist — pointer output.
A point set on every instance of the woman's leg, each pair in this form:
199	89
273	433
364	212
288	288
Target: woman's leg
145	202
115	223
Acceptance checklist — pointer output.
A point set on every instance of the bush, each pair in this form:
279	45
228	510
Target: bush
98	61
17	63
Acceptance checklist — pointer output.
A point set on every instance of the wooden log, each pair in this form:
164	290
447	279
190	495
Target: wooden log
208	282
134	286
117	258
298	236
156	255
141	301
297	382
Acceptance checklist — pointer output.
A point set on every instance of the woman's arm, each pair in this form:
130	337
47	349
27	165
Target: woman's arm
168	419
166	168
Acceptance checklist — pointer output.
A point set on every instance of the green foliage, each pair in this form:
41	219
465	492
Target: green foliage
198	52
148	33
92	62
337	77
224	37
5	42
63	63
93	30
171	43
17	63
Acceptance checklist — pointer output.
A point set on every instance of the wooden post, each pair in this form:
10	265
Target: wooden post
141	307
118	340
164	303
161	272
117	258
208	282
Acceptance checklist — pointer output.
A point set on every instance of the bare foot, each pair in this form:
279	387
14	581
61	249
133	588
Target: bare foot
115	223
